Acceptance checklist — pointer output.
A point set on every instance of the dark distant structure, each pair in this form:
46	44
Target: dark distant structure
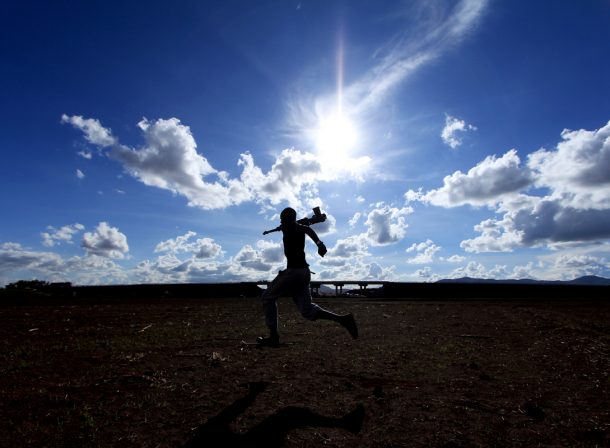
26	292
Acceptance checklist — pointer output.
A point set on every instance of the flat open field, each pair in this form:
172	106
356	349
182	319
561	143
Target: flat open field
422	374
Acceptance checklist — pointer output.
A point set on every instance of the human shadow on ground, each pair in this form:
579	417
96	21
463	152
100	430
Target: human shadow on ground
272	431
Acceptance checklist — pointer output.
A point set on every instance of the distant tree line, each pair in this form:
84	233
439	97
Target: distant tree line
36	288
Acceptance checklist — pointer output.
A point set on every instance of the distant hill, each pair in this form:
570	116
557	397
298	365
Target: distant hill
586	280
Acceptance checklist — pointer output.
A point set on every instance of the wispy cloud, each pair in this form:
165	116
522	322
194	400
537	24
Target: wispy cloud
428	33
439	30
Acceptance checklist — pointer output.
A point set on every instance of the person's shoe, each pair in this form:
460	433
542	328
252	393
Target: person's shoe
270	341
350	324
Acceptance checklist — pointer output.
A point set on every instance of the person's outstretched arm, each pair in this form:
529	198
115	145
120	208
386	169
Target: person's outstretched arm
314	236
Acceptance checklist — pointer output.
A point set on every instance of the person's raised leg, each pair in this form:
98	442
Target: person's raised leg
312	311
346	320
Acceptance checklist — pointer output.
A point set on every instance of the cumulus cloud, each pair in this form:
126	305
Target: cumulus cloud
477	270
538	223
85	154
250	263
105	241
573	208
80	174
454	259
292	174
357	269
169	160
551	221
168	268
569	266
452	130
426	275
424	252
270	252
386	224
495	236
90	270
354	219
250	258
578	170
15	260
62	235
486	184
355	246
200	248
93	130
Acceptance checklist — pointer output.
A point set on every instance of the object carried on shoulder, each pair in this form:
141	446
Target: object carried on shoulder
317	217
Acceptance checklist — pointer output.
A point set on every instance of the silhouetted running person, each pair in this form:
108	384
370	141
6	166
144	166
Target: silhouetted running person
294	281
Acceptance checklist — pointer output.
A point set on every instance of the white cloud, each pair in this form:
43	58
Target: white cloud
426	275
496	236
200	248
477	270
497	272
578	171
18	261
424	252
90	270
349	248
568	266
250	258
386	225
169	160
453	127
574	207
360	199
106	241
488	183
537	223
85	154
270	252
354	219
62	235
80	174
292	172
94	132
357	269
15	258
454	259
436	29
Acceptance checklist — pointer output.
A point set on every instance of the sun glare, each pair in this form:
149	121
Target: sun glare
335	137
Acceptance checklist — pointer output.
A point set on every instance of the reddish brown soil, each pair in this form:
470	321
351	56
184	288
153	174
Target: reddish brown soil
429	374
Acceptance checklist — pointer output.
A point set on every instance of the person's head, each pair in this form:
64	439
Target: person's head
288	215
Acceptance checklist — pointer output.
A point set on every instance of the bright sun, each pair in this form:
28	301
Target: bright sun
335	137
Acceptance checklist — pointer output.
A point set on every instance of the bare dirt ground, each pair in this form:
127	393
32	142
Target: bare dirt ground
425	374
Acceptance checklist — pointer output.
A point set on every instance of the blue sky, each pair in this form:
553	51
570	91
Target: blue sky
149	142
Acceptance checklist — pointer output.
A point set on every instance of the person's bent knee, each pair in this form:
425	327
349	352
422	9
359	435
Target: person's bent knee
310	313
